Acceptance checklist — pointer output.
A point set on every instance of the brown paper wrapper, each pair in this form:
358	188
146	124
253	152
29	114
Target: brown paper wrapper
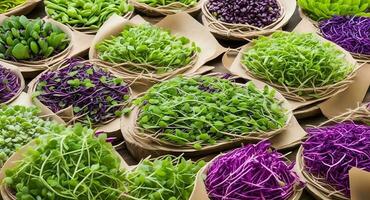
79	44
142	145
170	9
200	191
356	85
112	127
12	162
22	9
14	70
245	32
180	24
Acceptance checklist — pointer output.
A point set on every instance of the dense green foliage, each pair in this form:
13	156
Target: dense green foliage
148	45
325	9
68	163
296	60
204	109
165	178
85	13
18	126
6	5
30	39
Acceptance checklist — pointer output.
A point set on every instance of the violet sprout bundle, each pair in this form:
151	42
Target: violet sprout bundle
95	94
257	13
350	32
252	172
10	84
330	152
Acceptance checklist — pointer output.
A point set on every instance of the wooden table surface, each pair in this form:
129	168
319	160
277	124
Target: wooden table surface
39	12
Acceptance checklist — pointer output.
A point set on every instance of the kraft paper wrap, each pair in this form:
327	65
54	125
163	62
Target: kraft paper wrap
181	24
79	44
142	145
349	95
200	191
245	32
112	127
6	194
170	9
14	70
22	9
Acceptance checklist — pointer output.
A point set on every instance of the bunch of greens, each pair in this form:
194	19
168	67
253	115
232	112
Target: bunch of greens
69	163
204	109
154	47
95	94
85	13
325	9
6	5
157	3
296	60
163	178
10	84
30	39
19	125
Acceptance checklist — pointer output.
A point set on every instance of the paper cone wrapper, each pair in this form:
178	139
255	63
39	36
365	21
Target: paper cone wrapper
180	24
142	145
112	127
12	162
23	9
356	83
200	191
173	8
79	44
16	71
230	31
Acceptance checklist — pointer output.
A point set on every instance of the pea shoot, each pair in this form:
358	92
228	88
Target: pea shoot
18	126
153	47
203	110
69	163
165	178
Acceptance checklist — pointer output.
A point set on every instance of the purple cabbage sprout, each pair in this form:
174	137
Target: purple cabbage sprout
352	33
330	152
259	13
10	84
252	172
95	94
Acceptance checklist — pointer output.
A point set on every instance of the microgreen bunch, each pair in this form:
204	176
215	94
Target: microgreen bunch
251	172
6	5
95	94
325	9
19	125
151	46
296	60
85	13
69	163
30	39
157	3
165	178
330	152
205	109
10	84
